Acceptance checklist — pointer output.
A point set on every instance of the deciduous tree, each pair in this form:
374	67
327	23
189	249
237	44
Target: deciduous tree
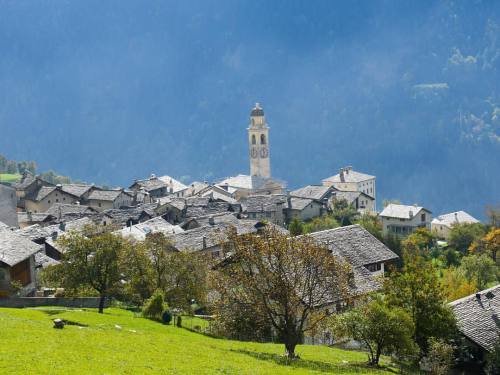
286	280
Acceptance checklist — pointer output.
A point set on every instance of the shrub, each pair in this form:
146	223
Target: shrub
440	356
154	306
493	361
179	321
166	317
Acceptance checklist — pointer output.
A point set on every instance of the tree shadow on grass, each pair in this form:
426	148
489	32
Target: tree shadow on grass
311	364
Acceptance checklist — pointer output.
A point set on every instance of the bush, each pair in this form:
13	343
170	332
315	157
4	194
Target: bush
166	317
179	321
154	306
493	361
440	356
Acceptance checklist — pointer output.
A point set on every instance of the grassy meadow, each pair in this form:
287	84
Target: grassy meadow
10	178
120	342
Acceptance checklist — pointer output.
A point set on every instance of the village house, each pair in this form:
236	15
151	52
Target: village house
68	212
8	206
101	200
46	196
358	246
402	219
442	225
28	186
25	219
127	216
155	187
217	192
140	231
349	180
360	201
303	209
477	320
17	263
319	193
242	186
270	208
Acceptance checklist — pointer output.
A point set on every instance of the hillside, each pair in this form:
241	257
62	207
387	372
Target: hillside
119	343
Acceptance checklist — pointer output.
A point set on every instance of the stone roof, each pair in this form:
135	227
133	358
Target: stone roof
43	192
105	195
69	209
36	232
42	260
24	217
155	225
265	203
173	185
454	218
26	180
211	235
349	196
299	203
401	211
478	317
354	243
317	192
179	203
348	175
150	184
78	190
15	248
122	215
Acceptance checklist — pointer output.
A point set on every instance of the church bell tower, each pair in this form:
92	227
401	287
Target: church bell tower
258	142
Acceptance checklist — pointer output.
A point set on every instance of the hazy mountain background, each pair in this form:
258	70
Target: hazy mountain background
109	91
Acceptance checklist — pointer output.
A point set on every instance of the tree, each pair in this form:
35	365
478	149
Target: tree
421	240
493	361
372	224
320	223
155	306
480	269
284	279
138	272
463	235
440	356
416	289
492	243
91	262
296	227
343	212
493	214
381	328
455	285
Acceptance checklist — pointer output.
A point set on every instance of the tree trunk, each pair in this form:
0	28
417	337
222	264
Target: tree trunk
290	348
102	298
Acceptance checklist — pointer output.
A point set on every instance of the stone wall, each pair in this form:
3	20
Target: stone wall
8	202
83	302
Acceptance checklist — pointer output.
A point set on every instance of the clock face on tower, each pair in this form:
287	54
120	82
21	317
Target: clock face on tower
263	152
253	153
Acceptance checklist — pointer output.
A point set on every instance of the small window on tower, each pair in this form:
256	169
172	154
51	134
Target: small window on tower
253	139
262	139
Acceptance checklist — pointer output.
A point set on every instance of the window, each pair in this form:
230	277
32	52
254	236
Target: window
99	204
48	201
374	267
57	199
253	139
262	139
64	198
422	217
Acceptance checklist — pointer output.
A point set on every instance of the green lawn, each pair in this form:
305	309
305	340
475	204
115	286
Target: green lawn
11	178
119	342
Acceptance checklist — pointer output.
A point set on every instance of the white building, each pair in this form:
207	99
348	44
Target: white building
442	224
402	220
349	180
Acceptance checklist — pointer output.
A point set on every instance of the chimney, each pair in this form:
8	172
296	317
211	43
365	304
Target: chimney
62	227
456	217
341	174
204	242
54	236
211	220
410	213
30	216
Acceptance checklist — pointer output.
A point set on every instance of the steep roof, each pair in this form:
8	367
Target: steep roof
401	211
172	184
105	195
300	203
69	209
454	218
43	192
78	190
150	184
265	203
317	192
355	244
15	248
348	175
478	317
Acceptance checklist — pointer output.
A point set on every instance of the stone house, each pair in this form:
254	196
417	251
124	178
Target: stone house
349	180
46	196
8	206
243	186
128	215
303	209
442	225
101	200
360	201
402	219
271	208
155	187
358	246
28	186
17	262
